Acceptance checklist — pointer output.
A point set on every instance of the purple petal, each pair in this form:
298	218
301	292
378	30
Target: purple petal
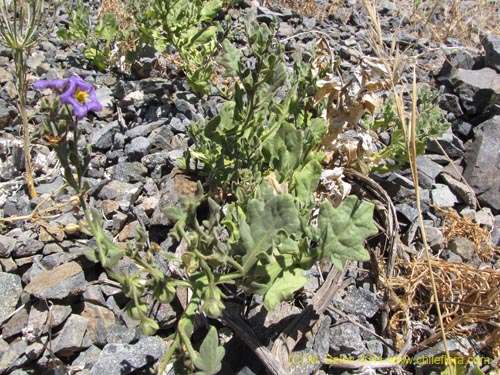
54	84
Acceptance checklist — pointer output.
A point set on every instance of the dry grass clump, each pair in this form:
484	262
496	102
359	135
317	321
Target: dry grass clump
456	226
469	300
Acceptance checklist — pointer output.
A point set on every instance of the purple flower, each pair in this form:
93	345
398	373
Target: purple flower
74	91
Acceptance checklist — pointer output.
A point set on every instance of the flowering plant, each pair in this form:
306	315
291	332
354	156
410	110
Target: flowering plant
73	91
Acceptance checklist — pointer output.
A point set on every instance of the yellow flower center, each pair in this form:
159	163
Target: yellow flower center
82	96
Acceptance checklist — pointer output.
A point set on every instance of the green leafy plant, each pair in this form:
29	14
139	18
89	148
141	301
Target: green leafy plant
430	124
98	38
188	26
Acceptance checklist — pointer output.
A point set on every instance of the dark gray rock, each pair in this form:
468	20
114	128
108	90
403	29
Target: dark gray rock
137	148
121	359
361	302
129	172
144	130
483	163
87	359
491	45
9	294
102	139
345	338
477	89
15	324
13	357
63	281
428	170
105	96
70	339
451	144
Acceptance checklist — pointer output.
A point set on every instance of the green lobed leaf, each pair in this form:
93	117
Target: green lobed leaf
283	287
230	58
264	221
210	359
343	230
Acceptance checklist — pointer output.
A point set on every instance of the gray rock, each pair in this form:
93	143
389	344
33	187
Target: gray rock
70	339
39	316
491	45
462	190
442	196
477	89
427	171
100	319
63	281
435	237
427	360
121	359
122	192
105	96
144	130
463	247
7	245
87	359
361	301
483	163
9	294
121	334
309	360
13	356
345	338
102	139
129	172
15	324
175	188
409	212
137	148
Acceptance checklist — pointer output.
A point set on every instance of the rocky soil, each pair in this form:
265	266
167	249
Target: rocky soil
60	313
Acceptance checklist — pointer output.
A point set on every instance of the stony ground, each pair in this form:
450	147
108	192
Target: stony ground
60	313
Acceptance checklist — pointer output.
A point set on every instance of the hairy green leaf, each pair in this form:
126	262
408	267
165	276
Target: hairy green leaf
210	359
343	230
283	287
263	223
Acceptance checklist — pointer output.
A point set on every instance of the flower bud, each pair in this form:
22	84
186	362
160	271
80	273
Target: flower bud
71	228
213	308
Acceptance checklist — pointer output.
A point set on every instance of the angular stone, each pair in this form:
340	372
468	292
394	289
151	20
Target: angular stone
129	172
176	187
463	191
362	302
65	280
7	245
483	163
105	96
442	196
100	319
463	247
427	171
39	316
137	148
70	339
10	292
144	130
120	359
13	356
15	324
477	89
491	45
102	139
87	359
122	192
